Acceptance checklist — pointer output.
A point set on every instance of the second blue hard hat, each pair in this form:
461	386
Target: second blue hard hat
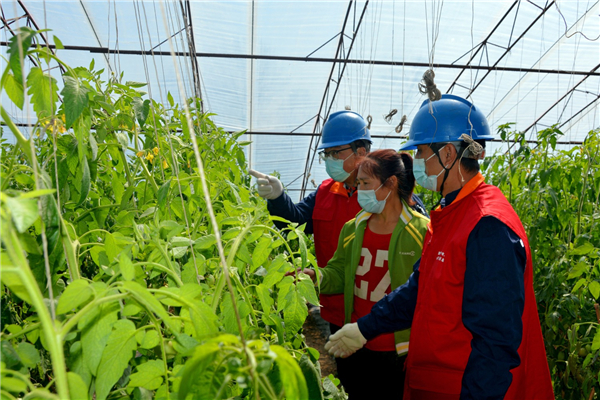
446	121
344	127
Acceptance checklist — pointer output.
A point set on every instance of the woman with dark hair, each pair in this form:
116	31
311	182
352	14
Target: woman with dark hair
375	254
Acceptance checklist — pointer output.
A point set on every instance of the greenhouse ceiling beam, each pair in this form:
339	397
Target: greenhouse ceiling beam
481	45
329	60
559	100
511	45
312	150
297	134
579	112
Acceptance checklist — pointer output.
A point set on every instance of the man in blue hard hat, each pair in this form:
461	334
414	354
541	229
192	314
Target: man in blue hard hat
345	138
470	304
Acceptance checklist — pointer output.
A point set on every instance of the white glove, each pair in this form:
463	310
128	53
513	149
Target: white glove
269	187
346	341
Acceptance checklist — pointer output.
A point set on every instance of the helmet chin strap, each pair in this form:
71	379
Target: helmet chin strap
446	173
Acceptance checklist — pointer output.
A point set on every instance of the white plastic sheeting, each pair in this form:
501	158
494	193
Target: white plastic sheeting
283	96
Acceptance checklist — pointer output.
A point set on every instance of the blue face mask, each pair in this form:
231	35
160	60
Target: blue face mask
335	168
424	180
368	200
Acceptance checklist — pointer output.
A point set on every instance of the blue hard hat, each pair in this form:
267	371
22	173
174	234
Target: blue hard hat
344	127
449	117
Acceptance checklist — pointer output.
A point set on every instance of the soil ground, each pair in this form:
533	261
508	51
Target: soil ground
316	332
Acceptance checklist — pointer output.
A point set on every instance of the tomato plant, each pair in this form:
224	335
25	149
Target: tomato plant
136	261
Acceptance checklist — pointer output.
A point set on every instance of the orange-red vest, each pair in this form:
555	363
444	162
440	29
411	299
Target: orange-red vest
439	342
333	208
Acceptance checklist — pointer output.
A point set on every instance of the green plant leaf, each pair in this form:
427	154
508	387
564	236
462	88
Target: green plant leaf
149	375
77	387
291	375
43	91
265	298
18	48
14	282
75	99
312	377
261	253
28	354
14	89
585	248
95	329
163	191
147	338
146	299
295	311
85	183
134	84
195	366
126	267
141	109
115	357
578	269
24	212
76	293
306	288
58	44
12	385
594	288
205	242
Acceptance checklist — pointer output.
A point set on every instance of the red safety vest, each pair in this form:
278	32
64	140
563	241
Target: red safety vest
439	342
333	208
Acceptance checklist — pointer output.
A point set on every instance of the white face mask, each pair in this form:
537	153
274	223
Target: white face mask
335	168
424	180
368	200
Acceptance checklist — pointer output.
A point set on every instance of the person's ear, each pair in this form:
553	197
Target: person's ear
392	181
450	153
361	151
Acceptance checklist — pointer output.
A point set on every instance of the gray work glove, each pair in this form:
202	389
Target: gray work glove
268	187
346	341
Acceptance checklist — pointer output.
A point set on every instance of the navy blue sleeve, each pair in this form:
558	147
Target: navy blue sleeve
395	311
302	212
493	302
419	206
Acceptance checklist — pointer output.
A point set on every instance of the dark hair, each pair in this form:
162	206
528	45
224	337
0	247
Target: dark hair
383	164
361	143
467	164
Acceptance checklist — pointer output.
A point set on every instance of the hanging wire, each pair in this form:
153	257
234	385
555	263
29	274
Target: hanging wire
428	87
576	32
117	59
38	180
175	166
208	200
392	67
399	127
388	118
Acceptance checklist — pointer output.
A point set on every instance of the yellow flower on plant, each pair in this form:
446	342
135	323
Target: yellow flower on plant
62	116
150	157
165	165
140	153
155	150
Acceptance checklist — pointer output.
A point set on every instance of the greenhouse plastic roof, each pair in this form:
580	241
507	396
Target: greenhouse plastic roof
278	68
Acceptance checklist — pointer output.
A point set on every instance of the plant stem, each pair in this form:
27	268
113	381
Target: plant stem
53	338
